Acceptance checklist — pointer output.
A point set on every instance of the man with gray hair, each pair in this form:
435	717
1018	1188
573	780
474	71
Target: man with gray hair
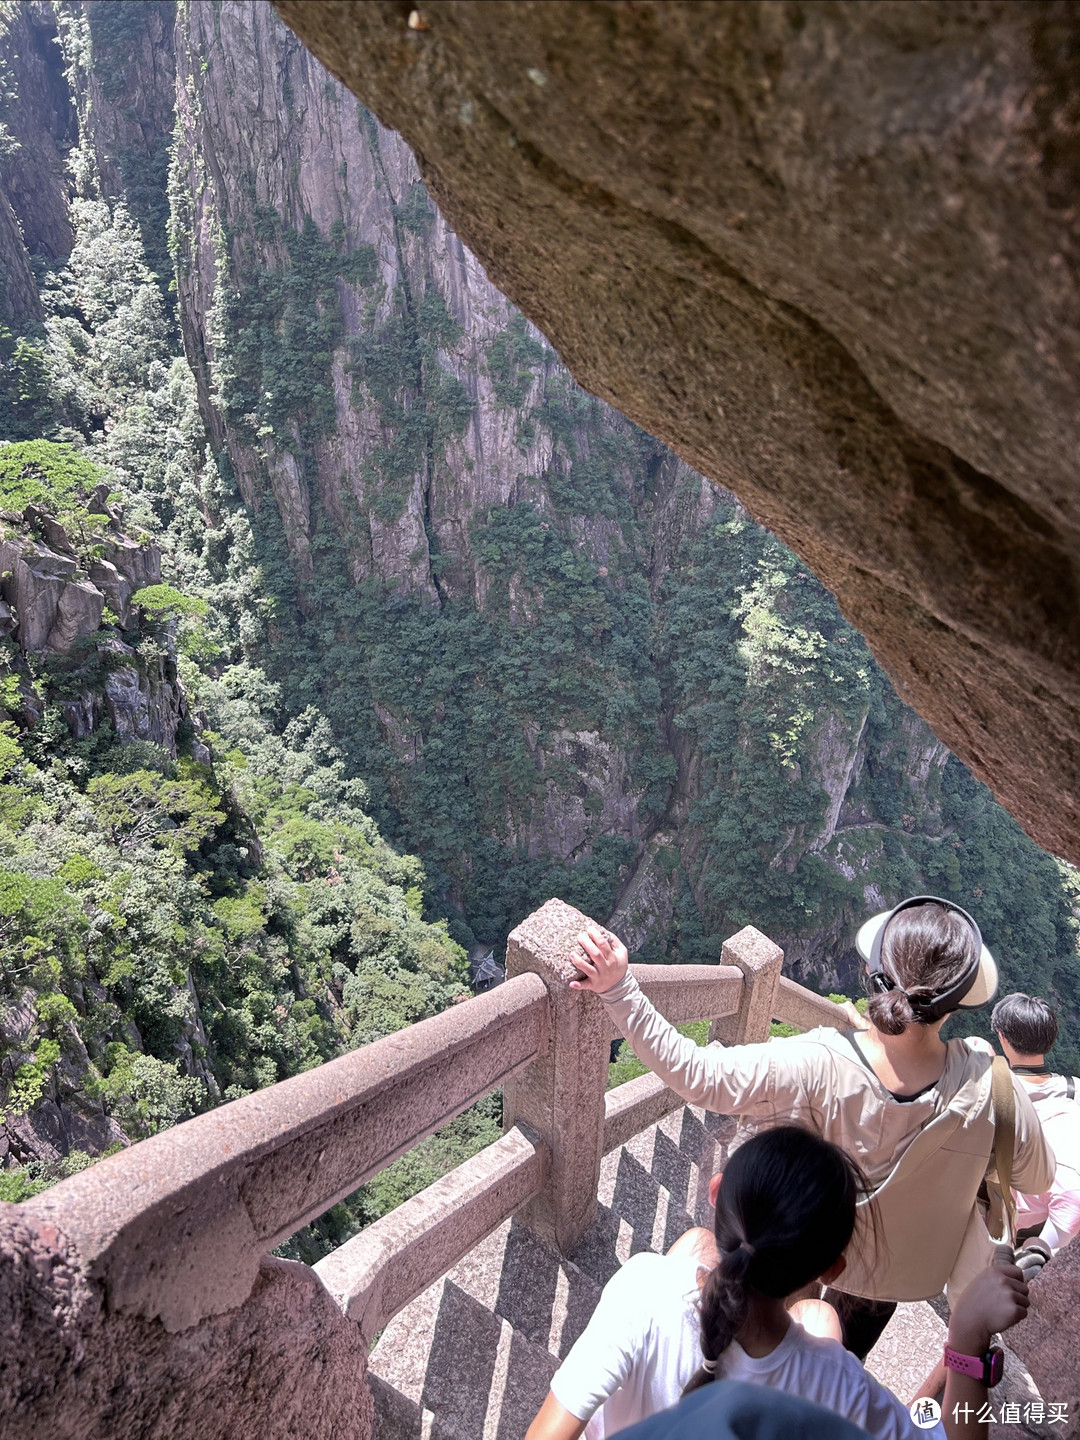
1027	1028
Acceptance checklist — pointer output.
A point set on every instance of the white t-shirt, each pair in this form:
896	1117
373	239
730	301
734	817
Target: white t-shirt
823	1371
642	1345
640	1348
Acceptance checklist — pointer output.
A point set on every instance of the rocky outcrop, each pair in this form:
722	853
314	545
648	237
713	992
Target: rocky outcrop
53	601
828	253
35	578
141	700
66	1119
137	562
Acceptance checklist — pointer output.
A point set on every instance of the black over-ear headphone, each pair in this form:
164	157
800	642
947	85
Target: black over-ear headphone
881	982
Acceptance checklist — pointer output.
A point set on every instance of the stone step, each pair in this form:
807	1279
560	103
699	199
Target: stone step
655	1187
471	1376
472	1358
909	1349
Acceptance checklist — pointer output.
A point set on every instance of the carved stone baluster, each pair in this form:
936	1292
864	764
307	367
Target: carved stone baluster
760	961
561	1094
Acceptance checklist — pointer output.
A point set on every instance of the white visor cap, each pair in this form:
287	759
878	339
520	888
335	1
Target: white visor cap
986	981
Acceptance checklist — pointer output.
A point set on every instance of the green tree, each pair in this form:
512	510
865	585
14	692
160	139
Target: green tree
27	410
144	806
146	1094
43	472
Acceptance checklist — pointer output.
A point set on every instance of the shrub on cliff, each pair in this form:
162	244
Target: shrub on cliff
48	474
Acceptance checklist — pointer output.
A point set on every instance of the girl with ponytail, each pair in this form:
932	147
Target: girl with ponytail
667	1324
785	1214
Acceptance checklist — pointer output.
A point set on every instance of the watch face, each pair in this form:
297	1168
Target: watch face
995	1365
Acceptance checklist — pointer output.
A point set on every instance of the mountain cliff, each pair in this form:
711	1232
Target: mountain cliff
559	658
552	658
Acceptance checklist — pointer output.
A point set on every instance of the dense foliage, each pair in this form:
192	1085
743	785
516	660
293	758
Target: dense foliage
913	821
178	930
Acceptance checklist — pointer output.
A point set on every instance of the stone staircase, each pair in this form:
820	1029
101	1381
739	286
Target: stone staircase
471	1358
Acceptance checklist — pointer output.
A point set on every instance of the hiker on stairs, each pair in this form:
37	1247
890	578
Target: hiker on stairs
917	1113
717	1307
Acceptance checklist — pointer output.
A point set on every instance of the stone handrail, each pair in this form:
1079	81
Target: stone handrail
561	1118
176	1226
691	992
386	1266
633	1107
806	1011
174	1233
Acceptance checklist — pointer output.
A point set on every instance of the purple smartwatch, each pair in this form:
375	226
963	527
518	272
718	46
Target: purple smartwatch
988	1368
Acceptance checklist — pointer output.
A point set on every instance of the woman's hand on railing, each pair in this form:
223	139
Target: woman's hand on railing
857	1020
601	960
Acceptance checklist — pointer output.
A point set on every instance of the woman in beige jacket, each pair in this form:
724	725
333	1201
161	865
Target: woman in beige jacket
915	1111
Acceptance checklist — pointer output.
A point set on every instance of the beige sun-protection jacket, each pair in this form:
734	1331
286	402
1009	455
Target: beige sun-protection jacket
925	1158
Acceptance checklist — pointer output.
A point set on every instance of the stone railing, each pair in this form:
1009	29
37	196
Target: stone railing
167	1243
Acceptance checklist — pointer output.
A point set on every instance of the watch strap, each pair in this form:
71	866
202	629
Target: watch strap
988	1368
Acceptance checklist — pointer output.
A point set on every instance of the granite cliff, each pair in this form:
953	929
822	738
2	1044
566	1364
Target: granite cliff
829	254
385	411
559	659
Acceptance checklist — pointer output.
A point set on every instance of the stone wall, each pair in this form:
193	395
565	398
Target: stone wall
286	1363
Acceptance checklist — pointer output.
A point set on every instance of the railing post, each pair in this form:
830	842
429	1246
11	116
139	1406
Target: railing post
760	961
561	1094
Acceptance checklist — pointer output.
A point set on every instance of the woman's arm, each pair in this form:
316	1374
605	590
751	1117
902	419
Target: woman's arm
751	1080
554	1422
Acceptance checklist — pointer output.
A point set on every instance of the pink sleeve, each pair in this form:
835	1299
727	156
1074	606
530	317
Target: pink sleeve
1065	1205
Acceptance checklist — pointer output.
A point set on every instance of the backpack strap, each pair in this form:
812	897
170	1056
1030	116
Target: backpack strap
1002	1217
1070	1087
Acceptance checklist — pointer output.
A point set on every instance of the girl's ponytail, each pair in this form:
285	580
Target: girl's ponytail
723	1306
785	1212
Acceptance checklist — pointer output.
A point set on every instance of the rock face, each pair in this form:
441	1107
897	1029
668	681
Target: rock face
37	135
125	94
51	604
266	167
260	167
1046	1340
427	407
829	254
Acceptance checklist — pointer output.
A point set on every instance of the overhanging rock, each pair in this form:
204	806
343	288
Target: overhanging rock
829	254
